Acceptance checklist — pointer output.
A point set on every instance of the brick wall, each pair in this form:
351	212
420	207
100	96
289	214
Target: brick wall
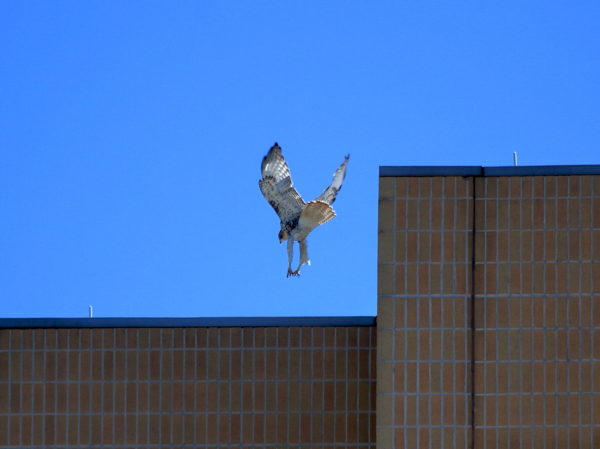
255	387
496	344
424	320
537	312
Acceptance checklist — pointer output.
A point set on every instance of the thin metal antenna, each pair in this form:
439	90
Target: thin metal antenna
515	158
91	311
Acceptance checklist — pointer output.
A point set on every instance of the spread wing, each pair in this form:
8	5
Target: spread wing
277	187
329	194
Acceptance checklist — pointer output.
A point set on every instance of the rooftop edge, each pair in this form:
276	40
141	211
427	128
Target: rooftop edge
475	170
294	321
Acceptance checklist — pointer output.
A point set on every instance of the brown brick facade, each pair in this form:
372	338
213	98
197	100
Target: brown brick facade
195	387
489	312
424	320
537	312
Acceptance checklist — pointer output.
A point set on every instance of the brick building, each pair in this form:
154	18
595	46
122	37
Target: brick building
487	336
177	383
489	307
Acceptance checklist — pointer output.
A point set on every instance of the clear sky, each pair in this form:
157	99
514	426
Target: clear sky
132	134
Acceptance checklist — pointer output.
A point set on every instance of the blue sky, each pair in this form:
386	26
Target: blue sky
132	135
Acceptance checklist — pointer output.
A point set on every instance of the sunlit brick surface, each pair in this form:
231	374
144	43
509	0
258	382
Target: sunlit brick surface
274	387
537	308
524	370
424	321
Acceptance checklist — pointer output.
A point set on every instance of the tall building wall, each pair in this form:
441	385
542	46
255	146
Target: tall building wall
424	312
207	387
537	312
489	309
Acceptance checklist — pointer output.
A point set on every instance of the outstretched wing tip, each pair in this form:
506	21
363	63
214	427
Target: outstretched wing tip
330	193
277	186
275	148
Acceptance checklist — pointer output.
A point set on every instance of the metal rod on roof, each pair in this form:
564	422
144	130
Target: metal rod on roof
91	311
515	158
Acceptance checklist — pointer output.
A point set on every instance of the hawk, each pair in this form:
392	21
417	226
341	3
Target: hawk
297	217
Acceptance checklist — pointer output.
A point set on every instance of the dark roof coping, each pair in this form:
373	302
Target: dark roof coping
475	170
293	321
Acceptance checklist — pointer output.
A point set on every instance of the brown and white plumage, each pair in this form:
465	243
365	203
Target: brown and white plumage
297	218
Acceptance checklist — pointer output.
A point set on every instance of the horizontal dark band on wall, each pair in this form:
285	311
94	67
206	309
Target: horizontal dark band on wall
474	170
292	321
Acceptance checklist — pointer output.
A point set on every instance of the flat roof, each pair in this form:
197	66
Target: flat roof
292	321
476	170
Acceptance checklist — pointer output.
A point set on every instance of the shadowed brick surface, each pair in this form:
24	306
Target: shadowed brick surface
194	387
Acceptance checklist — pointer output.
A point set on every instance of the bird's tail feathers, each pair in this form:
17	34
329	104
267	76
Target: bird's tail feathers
316	213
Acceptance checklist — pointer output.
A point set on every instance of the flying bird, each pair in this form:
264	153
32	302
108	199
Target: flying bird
297	218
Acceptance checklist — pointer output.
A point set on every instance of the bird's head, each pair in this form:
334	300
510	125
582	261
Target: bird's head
283	235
